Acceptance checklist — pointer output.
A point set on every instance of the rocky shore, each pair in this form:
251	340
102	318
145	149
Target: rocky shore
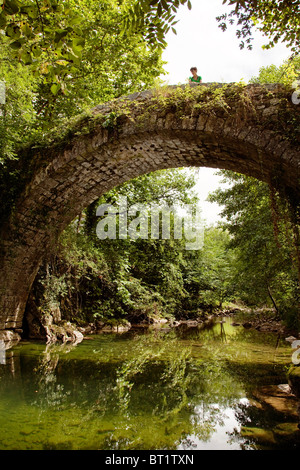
265	320
162	323
52	329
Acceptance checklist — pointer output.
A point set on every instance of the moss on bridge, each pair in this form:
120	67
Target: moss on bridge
268	107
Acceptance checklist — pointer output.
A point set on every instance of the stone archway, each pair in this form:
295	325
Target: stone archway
249	135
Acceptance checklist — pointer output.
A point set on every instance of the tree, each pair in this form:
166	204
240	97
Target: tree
17	119
262	225
57	85
278	20
155	265
153	18
52	36
217	266
266	268
287	73
55	37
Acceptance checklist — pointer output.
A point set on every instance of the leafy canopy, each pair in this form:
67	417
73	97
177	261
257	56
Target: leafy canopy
278	20
54	36
287	73
62	76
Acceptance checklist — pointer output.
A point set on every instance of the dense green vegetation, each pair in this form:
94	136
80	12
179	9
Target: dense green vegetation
65	79
261	235
92	279
287	73
250	259
58	39
216	382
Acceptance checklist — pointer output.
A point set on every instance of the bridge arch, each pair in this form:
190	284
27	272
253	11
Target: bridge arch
246	130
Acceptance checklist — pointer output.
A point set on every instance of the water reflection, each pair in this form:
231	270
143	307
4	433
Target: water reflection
184	388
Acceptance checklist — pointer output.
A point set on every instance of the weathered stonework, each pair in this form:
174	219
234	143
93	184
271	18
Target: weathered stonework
248	137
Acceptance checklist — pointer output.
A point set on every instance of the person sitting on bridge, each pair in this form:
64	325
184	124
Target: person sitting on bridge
195	78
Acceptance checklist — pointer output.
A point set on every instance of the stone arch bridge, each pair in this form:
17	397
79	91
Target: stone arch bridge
250	129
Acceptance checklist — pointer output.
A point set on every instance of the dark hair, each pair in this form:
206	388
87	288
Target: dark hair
193	68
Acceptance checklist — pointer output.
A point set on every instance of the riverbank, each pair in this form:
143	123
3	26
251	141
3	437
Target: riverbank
264	320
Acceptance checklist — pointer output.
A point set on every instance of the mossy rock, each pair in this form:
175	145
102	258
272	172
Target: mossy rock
294	380
260	435
116	326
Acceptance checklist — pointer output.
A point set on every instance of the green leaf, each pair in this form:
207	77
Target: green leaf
62	62
11	7
74	58
60	34
13	31
26	57
159	10
36	50
164	4
15	45
55	88
78	44
31	11
26	29
76	20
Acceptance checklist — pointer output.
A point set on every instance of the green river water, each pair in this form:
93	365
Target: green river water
184	388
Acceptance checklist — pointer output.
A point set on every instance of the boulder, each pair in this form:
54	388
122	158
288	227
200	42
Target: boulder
285	388
89	329
191	323
9	338
290	339
121	327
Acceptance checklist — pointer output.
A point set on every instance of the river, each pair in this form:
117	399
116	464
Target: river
179	388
